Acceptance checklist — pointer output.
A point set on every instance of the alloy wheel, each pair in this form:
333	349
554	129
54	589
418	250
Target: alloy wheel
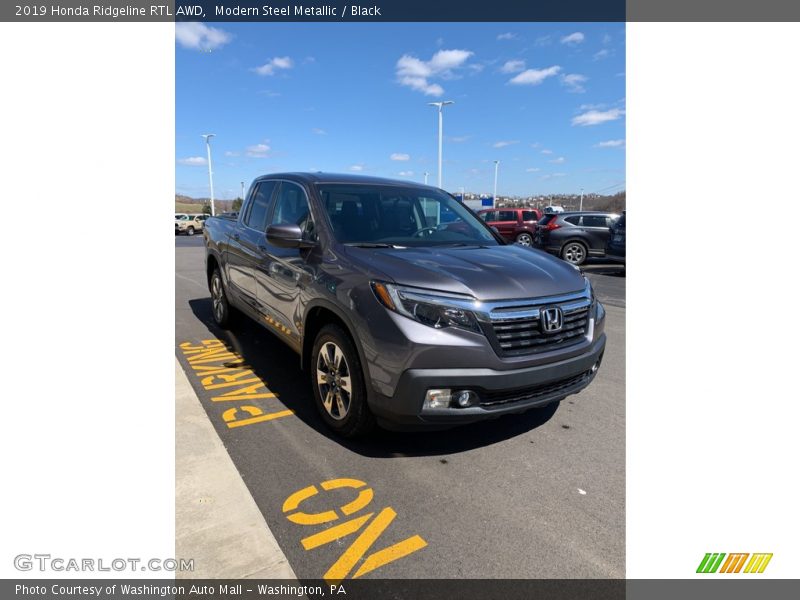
217	298
333	380
575	254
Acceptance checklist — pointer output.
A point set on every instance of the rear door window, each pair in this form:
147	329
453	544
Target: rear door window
574	220
528	216
507	215
595	221
489	216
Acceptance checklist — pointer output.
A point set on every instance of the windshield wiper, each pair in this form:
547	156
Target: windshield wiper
371	245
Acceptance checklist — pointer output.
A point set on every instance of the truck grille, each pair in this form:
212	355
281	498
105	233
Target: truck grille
518	330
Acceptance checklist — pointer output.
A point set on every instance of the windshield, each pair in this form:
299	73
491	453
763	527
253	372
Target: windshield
365	214
182	217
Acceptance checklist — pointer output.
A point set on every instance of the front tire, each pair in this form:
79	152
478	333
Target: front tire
190	231
574	253
220	308
338	383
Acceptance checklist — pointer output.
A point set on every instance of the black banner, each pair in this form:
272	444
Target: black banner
399	10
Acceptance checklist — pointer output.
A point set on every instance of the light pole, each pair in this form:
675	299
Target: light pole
426	177
242	196
439	106
581	199
208	137
494	198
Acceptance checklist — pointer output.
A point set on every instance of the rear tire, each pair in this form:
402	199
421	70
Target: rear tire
524	239
574	253
220	308
190	231
337	380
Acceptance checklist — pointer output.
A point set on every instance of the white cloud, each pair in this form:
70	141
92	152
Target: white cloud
199	36
604	53
532	170
552	175
513	66
574	82
416	74
546	151
400	156
357	168
595	117
573	38
406	173
274	64
193	161
257	151
504	143
558	161
231	154
507	36
460	139
606	38
318	131
544	40
535	76
610	144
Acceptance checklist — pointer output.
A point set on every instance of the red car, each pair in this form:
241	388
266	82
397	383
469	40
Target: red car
514	224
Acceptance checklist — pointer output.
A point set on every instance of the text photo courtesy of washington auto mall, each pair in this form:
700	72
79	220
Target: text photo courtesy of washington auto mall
400	300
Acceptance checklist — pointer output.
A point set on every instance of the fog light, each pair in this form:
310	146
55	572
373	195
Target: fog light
466	398
437	399
595	366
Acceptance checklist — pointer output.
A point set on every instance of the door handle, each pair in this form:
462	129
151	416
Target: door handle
263	249
236	236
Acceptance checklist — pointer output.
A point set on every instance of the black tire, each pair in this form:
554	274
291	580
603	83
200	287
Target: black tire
356	420
190	231
220	308
524	239
575	253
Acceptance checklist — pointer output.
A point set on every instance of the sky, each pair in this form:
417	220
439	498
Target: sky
547	100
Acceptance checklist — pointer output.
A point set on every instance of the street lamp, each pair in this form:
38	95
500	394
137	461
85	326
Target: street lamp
581	199
494	198
242	196
208	137
426	177
439	106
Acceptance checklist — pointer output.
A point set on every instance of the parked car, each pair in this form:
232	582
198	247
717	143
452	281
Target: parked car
575	236
553	209
406	309
514	224
615	247
190	224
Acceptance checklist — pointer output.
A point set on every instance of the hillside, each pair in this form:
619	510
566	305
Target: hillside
187	204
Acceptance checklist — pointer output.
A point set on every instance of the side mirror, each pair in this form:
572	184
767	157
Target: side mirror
287	236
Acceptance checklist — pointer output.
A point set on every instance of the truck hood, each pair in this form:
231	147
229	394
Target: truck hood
487	272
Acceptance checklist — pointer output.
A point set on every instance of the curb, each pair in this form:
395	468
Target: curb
217	522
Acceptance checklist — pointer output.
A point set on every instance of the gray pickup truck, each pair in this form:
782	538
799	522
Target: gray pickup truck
406	309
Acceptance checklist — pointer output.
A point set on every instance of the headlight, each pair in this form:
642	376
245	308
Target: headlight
433	310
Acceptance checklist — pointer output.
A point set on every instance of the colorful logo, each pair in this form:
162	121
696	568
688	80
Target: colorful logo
734	562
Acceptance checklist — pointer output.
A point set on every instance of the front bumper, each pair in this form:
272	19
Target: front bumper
501	392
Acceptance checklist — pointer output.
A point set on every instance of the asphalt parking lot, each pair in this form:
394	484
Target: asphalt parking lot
539	495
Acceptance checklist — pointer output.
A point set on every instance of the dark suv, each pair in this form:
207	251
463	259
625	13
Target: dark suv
575	236
404	306
514	224
615	247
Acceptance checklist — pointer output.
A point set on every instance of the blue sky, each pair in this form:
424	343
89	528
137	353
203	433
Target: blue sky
545	99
